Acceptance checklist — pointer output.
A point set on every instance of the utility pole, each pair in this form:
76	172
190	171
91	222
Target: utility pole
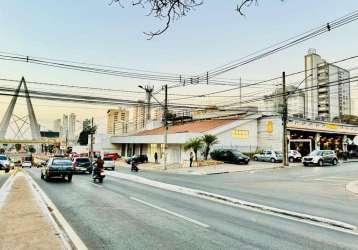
91	142
284	121
165	126
240	92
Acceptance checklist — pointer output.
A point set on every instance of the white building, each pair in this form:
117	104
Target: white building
57	125
72	127
117	121
139	117
328	89
64	131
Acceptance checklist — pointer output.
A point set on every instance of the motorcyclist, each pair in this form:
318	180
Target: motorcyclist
98	166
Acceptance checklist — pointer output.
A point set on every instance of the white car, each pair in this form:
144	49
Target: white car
4	163
108	163
294	155
26	164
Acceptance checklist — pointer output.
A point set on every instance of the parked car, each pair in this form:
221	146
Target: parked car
320	157
114	156
82	165
108	163
4	163
57	168
294	155
229	156
137	158
269	155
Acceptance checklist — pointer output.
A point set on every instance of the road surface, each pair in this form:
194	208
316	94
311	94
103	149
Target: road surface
121	214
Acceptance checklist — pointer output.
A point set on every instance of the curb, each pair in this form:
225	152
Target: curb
311	219
352	187
69	235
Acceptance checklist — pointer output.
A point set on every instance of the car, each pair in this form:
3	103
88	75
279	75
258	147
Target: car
137	158
108	163
320	157
294	155
5	163
114	156
82	165
26	164
269	155
57	167
229	156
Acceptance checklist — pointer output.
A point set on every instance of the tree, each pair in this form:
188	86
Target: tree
86	131
209	140
194	144
172	10
2	151
31	149
18	147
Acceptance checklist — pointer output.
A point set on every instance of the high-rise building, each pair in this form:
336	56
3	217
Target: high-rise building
57	125
139	116
157	114
71	127
117	121
328	93
64	126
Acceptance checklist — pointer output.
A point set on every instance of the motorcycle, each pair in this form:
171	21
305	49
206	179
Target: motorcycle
98	175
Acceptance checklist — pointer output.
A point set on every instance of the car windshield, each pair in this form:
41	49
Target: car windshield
316	153
3	158
107	159
61	162
278	153
237	153
82	160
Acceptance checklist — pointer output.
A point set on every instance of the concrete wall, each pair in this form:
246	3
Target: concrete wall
270	139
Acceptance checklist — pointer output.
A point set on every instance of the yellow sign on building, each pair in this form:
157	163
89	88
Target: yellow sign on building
269	127
241	134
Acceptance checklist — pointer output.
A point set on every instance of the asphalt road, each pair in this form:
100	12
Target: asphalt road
3	178
318	191
120	214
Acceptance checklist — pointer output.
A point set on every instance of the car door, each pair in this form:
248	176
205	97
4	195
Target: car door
268	156
326	156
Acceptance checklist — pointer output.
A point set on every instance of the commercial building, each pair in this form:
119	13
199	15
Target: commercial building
117	121
64	132
328	93
248	133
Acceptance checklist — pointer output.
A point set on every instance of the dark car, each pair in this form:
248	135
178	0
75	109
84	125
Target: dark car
57	168
82	165
137	158
229	156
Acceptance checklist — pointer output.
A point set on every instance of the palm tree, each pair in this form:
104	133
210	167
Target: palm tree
209	140
195	144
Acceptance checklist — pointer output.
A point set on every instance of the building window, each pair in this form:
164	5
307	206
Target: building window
240	134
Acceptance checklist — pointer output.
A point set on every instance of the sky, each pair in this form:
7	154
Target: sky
95	31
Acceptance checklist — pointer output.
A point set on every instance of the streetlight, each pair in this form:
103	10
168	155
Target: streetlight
165	107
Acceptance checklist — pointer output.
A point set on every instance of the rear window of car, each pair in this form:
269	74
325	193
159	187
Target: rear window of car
3	158
107	159
58	162
82	160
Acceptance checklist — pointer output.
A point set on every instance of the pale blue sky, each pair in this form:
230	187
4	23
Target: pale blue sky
94	31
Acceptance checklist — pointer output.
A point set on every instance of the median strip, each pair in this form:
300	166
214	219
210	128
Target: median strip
305	218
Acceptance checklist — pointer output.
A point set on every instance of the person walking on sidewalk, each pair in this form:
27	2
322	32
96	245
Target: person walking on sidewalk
191	158
156	157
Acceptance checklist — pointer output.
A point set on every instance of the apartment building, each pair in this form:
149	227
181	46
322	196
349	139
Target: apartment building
328	92
117	121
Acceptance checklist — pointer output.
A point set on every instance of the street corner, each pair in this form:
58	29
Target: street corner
352	187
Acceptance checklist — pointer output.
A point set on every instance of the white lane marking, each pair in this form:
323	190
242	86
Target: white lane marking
96	184
342	178
329	180
172	213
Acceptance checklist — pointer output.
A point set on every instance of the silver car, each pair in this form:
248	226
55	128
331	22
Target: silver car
269	155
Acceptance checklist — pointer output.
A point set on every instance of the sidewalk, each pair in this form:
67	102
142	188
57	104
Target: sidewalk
208	170
24	223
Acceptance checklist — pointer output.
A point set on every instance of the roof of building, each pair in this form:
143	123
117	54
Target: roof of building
199	126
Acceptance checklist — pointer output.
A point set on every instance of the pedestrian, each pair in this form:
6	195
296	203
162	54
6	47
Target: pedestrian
156	157
191	158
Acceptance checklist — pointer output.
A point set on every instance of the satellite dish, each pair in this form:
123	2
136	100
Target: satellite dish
355	140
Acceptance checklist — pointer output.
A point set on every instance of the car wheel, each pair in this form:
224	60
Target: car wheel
113	169
69	177
273	160
7	170
291	159
42	176
334	162
305	164
46	177
255	158
320	163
